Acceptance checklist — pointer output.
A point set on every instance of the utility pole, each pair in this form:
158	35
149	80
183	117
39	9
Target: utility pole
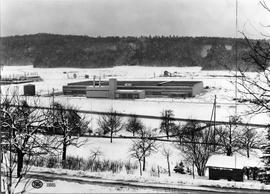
236	67
213	117
53	109
53	96
215	114
230	141
236	53
0	133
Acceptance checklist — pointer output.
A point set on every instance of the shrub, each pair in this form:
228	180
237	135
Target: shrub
179	168
76	163
41	161
264	176
130	167
52	162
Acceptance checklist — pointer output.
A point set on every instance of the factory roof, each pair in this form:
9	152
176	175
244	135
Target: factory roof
140	83
129	91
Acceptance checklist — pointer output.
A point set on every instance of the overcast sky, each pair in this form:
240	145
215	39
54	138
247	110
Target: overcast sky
132	17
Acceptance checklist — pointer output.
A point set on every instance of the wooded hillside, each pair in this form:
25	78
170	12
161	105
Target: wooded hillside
48	50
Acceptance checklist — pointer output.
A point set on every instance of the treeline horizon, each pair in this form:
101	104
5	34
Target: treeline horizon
54	50
119	36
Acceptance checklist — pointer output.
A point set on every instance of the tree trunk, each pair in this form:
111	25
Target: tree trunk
144	163
167	133
200	169
169	168
140	167
133	133
229	151
254	173
64	153
193	173
20	156
111	135
248	152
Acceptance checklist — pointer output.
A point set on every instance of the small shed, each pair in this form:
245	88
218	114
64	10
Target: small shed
228	167
29	90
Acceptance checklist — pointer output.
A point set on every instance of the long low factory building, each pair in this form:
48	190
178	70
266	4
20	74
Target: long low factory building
134	89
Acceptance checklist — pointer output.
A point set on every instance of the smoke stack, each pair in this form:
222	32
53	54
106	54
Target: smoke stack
94	81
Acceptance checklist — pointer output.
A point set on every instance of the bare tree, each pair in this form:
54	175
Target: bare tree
24	126
25	137
143	148
167	125
236	139
110	123
229	137
250	139
136	152
69	125
167	152
255	87
195	143
134	124
95	154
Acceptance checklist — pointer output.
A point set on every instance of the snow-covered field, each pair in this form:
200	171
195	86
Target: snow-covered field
199	107
218	85
119	151
57	77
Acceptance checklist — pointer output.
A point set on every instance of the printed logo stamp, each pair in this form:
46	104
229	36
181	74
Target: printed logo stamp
37	184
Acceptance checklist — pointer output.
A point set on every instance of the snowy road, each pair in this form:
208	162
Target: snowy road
97	185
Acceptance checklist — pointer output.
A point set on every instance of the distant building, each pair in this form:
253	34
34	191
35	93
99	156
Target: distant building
229	167
134	89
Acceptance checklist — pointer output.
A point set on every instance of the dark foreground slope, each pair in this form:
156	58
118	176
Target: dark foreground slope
48	50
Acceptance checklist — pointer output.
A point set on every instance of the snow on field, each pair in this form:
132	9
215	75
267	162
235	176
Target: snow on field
57	77
218	85
119	151
181	109
199	107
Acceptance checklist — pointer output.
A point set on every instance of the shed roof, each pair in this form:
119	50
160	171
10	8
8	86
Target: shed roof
232	162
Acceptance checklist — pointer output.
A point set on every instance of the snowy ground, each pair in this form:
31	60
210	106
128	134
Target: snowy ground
69	181
218	85
199	107
57	77
62	186
119	151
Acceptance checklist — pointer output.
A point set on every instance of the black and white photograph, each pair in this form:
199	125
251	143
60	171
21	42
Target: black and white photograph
134	96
